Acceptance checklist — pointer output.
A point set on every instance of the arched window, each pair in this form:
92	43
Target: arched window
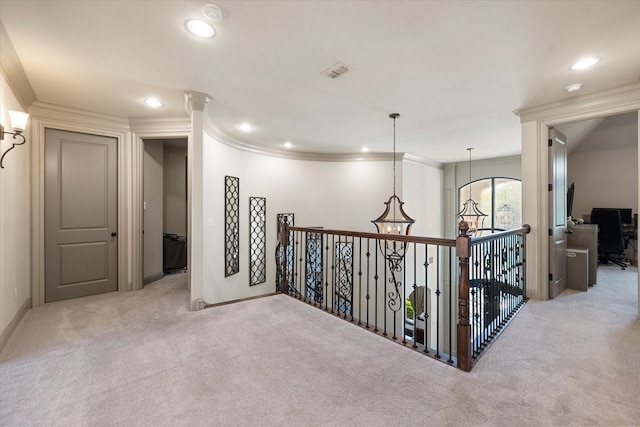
499	198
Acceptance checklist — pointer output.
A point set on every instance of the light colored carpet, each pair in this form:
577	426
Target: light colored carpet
141	358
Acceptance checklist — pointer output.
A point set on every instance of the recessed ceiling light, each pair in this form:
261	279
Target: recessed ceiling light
245	127
288	144
152	102
200	28
585	63
365	149
574	87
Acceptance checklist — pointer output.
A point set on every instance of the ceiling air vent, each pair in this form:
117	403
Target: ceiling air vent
336	70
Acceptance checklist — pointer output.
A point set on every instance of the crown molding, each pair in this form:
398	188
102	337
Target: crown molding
12	71
617	99
60	113
160	126
195	101
410	158
295	155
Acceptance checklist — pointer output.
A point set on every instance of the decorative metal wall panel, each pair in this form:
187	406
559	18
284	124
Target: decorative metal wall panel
286	252
314	267
344	277
257	240
231	225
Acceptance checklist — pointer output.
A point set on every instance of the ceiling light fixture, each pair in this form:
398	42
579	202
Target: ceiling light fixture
365	149
153	102
585	63
18	124
574	87
245	127
213	11
200	28
394	220
288	145
470	212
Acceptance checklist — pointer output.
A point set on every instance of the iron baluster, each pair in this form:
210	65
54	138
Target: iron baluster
368	275
375	295
413	306
359	282
450	352
384	328
426	306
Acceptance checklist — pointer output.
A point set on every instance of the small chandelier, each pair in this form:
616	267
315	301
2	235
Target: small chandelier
470	212
505	216
18	124
394	220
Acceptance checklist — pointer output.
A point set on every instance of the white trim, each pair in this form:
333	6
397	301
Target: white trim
81	118
410	158
56	117
600	104
298	155
156	127
536	122
13	72
145	128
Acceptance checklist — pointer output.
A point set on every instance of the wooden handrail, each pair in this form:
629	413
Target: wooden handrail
524	229
392	237
463	244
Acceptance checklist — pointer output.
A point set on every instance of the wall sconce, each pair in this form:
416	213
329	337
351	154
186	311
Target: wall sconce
18	124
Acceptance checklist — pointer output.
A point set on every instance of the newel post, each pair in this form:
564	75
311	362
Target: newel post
284	244
463	252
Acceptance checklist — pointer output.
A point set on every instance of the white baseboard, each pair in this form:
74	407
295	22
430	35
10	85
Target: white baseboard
197	304
6	334
533	293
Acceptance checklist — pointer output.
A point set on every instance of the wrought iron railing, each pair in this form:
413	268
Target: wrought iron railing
429	300
497	285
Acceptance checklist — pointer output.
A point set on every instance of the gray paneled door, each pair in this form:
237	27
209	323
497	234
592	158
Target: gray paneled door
81	251
557	213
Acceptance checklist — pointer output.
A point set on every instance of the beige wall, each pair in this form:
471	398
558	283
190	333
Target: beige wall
422	195
175	190
457	175
344	195
14	223
598	184
153	212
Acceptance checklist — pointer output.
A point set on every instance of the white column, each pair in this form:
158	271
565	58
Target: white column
534	170
195	104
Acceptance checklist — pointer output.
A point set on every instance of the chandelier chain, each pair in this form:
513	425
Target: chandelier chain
469	149
470	194
394	156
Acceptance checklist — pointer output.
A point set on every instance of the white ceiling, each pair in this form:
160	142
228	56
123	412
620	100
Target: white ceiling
605	133
454	70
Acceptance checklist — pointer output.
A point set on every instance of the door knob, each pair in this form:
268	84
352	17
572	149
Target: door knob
114	234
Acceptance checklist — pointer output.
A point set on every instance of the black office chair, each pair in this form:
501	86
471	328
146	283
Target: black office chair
610	239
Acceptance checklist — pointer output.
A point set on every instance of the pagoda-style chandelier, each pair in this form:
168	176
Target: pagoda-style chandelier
505	216
394	220
470	212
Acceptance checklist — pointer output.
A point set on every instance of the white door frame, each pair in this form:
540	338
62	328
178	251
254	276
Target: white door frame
536	122
129	134
163	128
53	116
